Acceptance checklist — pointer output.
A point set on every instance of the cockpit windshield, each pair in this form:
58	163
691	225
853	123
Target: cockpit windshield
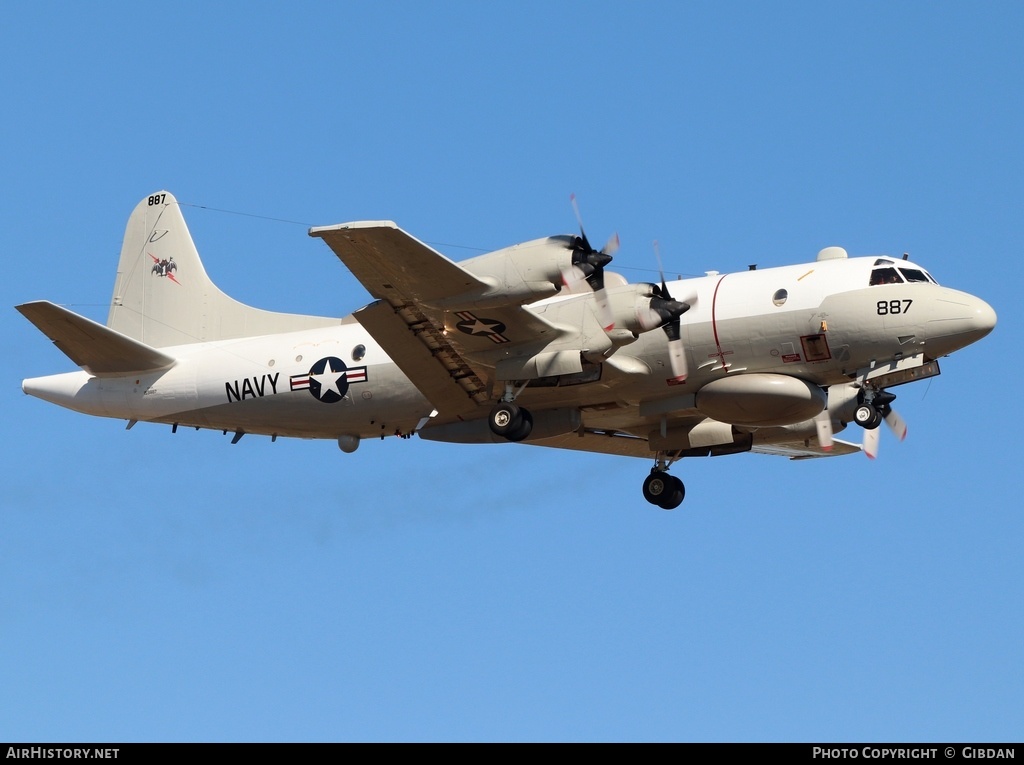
885	276
915	275
885	272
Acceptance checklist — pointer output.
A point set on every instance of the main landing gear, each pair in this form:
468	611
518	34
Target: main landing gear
510	421
661	489
513	423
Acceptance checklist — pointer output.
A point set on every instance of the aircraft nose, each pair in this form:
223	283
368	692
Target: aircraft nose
976	321
984	318
959	320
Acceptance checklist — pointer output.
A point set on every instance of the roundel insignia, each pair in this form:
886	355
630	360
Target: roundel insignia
328	379
473	325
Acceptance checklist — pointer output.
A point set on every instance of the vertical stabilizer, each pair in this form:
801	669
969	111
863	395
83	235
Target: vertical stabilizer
162	295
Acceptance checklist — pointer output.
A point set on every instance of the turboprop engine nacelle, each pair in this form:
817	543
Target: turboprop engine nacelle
641	308
524	272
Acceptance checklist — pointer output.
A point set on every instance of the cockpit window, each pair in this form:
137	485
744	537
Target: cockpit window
885	276
883	262
914	275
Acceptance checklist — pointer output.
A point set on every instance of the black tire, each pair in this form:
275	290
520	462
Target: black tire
504	418
658	487
867	417
521	432
675	498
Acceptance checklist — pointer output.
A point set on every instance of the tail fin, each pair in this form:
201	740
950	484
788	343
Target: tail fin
162	295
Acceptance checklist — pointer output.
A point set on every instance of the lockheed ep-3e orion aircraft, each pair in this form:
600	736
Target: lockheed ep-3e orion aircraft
536	343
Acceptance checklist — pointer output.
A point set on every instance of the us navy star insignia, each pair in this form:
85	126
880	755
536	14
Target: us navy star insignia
328	379
470	324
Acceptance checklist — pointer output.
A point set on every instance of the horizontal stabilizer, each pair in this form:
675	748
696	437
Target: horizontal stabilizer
95	348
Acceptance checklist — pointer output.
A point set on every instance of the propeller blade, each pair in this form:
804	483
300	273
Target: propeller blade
896	424
871	443
823	423
661	271
591	263
611	246
575	281
604	310
673	327
579	218
677	359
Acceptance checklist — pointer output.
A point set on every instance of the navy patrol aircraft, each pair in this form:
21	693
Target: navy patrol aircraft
536	343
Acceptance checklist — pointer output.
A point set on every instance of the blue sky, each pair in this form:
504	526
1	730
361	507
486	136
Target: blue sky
159	587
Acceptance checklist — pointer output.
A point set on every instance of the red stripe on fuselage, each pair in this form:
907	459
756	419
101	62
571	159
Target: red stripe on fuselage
714	323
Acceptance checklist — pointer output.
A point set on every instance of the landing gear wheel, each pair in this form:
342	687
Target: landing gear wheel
676	498
504	419
664	490
522	431
867	417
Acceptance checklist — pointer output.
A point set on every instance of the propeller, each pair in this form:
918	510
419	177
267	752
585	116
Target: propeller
823	423
671	311
588	266
892	418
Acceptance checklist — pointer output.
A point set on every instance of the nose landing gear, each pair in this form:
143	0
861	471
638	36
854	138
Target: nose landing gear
867	417
874	408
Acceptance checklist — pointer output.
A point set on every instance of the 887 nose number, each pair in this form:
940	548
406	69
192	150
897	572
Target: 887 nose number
888	307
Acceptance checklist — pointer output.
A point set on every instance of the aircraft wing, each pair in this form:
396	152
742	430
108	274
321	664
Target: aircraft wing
426	317
803	449
622	444
599	442
393	265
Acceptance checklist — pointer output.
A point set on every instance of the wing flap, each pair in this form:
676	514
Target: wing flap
97	349
599	442
803	449
425	357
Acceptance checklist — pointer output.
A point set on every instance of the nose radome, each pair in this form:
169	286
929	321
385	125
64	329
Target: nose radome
957	320
984	317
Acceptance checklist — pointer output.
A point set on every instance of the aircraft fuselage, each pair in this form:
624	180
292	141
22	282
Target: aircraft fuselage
820	322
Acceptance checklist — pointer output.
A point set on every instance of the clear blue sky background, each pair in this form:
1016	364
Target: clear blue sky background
174	587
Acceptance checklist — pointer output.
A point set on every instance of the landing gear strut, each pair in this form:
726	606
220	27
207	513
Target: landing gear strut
661	489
